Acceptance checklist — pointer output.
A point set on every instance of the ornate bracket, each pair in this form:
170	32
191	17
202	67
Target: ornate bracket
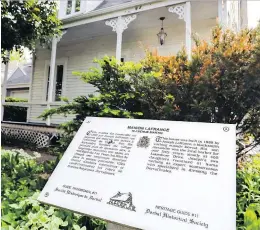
179	10
121	23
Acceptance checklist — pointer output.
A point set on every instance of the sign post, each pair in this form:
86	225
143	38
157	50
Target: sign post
149	174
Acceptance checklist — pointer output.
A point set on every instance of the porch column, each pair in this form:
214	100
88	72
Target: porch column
244	16
52	77
30	89
119	25
222	13
4	87
187	19
184	12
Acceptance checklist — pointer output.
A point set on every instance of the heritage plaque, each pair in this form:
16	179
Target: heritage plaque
149	174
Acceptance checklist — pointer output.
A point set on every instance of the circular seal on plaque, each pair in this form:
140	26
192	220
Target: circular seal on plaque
226	129
46	194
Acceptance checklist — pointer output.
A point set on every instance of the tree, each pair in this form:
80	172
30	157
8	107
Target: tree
26	22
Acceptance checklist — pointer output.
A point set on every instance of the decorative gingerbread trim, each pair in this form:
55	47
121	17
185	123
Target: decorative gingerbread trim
179	10
121	23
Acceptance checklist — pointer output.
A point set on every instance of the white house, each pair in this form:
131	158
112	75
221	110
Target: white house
94	28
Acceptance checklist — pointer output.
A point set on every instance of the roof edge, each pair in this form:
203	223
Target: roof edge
106	10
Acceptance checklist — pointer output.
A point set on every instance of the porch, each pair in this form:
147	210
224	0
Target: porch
123	33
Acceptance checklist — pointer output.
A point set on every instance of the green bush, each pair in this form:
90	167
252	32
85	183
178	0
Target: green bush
220	84
248	195
15	113
22	180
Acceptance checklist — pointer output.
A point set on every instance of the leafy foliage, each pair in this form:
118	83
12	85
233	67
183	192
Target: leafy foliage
221	84
25	22
248	195
116	98
22	178
17	56
15	99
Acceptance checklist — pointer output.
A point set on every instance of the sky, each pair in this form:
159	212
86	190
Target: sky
253	8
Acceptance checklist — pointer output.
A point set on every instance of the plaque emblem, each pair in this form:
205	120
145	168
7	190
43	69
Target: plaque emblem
46	194
123	200
226	129
143	142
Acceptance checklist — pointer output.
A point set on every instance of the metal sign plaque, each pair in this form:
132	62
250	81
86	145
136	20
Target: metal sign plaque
149	174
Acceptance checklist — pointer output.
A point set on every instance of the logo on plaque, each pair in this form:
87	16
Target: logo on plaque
46	194
123	200
143	142
226	129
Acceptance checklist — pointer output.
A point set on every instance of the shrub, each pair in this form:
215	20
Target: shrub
220	84
22	180
248	195
117	97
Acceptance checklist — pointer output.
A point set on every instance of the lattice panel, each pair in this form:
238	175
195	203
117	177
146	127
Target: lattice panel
29	136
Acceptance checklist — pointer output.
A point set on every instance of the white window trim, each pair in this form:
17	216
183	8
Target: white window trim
61	61
72	14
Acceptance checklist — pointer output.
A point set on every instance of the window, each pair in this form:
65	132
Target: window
77	8
59	78
73	6
59	70
69	7
48	82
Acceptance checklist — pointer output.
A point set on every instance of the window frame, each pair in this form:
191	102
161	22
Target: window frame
71	14
61	61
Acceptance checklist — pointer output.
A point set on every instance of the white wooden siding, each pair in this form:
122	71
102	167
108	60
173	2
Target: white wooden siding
80	55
